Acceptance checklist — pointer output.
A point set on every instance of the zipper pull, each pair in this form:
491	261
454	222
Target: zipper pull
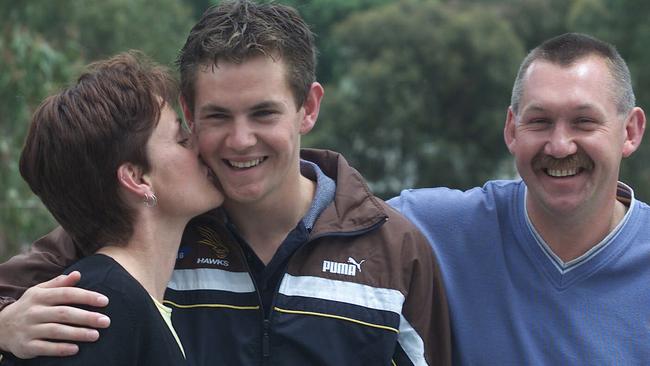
266	343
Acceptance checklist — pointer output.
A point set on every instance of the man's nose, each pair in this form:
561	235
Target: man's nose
561	142
241	136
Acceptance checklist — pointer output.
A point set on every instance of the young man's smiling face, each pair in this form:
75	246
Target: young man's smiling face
568	137
249	127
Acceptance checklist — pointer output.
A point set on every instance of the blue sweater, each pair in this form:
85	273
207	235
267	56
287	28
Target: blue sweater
512	302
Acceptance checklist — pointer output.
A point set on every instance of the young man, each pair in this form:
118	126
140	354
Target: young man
551	270
303	266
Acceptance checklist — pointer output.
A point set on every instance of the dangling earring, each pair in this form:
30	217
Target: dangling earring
150	200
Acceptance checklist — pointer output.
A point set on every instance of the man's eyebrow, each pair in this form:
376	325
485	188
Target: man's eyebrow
212	108
539	108
533	108
587	106
267	105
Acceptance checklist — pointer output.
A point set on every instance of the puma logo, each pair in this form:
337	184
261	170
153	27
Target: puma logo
357	264
349	269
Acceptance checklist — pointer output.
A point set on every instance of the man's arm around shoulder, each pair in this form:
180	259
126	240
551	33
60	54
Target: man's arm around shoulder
30	326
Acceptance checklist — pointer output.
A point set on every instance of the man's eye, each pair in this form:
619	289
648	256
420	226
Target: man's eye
539	121
263	113
185	142
585	120
215	116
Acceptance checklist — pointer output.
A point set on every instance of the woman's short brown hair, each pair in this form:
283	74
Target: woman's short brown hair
79	137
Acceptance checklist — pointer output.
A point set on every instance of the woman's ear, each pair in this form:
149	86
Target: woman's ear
132	179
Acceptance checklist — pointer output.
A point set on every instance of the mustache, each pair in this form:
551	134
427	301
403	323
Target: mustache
577	160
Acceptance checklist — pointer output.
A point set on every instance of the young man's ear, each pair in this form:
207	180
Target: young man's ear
312	107
509	130
187	113
133	181
634	129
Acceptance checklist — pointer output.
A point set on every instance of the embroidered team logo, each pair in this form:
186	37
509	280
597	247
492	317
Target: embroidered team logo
349	268
210	238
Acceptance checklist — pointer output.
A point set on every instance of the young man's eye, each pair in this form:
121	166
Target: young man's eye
216	116
185	142
264	113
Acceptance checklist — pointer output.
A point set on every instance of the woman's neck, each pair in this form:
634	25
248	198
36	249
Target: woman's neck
150	254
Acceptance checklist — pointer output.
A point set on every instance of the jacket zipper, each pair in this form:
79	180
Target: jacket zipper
266	323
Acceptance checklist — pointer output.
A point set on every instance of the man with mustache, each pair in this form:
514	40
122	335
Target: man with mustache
552	269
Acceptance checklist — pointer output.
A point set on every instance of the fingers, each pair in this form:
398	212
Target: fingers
62	280
63	332
45	348
64	295
68	315
32	325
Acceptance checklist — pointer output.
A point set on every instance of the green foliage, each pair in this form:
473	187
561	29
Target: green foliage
43	45
30	68
421	94
322	16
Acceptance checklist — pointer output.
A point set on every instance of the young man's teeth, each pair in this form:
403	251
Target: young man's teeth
562	172
245	164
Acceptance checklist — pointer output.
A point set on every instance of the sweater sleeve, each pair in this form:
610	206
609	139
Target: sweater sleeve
425	306
46	259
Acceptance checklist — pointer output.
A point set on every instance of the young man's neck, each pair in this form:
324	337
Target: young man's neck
266	223
571	237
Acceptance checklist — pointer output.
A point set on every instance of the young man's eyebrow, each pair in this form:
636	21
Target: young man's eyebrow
267	105
212	108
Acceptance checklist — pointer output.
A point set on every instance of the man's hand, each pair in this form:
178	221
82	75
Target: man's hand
39	325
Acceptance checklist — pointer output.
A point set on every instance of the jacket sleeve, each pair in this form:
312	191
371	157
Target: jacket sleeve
46	259
425	309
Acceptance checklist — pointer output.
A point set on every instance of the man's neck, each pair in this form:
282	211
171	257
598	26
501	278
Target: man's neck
265	224
571	237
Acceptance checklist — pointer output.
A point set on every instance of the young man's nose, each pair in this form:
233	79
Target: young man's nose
241	136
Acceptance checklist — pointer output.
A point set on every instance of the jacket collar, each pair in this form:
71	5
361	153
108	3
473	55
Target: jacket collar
354	208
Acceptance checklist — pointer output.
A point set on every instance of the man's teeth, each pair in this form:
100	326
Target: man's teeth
245	164
561	172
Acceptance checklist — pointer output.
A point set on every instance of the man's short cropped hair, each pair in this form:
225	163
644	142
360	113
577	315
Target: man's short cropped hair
79	137
234	31
568	48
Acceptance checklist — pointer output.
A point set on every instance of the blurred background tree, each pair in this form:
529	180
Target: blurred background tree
43	45
416	90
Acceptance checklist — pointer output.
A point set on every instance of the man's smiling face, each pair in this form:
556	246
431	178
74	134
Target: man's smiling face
568	137
249	128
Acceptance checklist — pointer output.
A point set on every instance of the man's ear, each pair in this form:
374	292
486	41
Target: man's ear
634	129
187	113
132	180
509	130
312	107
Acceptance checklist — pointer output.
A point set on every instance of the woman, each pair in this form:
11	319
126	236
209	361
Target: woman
112	162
